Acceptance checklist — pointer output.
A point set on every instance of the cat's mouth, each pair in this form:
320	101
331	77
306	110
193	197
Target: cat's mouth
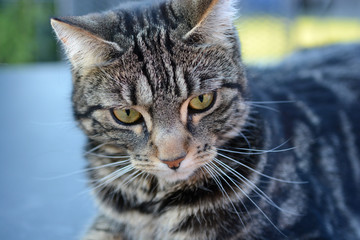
182	168
191	164
175	170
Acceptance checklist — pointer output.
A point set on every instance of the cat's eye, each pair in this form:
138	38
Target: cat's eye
126	116
202	102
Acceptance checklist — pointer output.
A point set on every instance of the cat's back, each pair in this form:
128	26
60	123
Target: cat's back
312	101
320	87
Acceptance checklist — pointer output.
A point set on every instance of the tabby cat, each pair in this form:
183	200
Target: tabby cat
182	145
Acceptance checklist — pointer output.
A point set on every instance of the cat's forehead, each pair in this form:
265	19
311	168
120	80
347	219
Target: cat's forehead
142	20
161	68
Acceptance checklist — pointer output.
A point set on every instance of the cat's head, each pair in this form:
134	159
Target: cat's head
162	84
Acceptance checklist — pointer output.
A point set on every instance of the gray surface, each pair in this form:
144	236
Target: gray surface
39	144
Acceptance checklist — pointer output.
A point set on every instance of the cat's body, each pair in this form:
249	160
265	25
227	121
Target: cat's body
321	123
183	146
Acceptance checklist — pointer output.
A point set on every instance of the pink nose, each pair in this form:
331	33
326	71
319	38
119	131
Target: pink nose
173	164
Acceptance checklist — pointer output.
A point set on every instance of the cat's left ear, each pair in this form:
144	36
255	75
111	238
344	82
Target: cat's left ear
211	21
83	48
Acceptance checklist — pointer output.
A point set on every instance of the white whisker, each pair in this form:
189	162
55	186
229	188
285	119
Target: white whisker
210	171
260	173
108	156
113	176
134	177
255	151
253	186
119	163
94	149
237	195
252	201
264	107
271	102
245	138
259	151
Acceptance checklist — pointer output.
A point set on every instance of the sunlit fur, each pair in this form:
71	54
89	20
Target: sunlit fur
254	163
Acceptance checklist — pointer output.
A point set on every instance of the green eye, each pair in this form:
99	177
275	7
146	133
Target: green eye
127	116
202	102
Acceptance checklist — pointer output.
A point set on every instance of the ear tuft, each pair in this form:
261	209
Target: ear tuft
83	48
211	19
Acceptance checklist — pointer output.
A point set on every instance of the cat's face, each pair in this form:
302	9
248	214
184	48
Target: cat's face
164	99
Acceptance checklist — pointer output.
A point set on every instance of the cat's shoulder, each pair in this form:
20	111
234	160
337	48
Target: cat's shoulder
332	69
340	60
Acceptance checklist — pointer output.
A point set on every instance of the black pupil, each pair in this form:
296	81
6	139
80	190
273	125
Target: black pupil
127	112
201	98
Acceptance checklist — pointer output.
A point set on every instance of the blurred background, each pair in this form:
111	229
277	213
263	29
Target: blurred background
269	29
43	193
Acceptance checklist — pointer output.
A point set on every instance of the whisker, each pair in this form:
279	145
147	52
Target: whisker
112	176
271	102
114	164
249	124
261	151
252	201
95	148
256	152
144	177
223	191
119	163
253	186
264	107
219	78
221	175
108	156
260	173
245	138
121	171
133	178
147	175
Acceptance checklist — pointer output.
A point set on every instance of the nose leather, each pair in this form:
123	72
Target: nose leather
173	164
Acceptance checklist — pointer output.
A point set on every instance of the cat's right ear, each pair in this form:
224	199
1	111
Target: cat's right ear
83	48
210	21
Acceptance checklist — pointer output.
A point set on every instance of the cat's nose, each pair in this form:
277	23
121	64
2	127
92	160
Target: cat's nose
173	164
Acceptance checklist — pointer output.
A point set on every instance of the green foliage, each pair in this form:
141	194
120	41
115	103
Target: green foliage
25	34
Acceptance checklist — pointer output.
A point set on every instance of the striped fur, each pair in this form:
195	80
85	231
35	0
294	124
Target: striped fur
278	158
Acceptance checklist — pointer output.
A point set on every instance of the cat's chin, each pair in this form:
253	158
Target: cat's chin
181	174
176	176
